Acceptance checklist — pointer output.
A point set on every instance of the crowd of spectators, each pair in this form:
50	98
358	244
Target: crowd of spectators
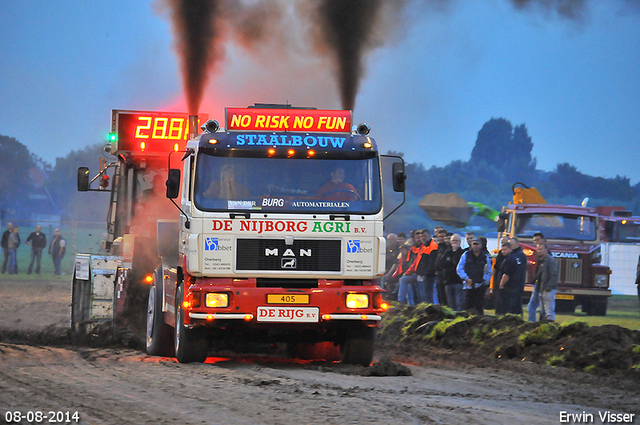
437	270
37	240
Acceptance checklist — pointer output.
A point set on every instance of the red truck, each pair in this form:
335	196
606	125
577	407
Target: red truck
573	236
277	235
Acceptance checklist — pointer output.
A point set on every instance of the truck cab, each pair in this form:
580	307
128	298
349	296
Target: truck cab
280	237
573	237
276	235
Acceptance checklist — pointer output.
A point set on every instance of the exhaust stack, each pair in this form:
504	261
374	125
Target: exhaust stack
193	127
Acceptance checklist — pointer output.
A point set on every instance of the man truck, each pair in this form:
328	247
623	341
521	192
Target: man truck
276	237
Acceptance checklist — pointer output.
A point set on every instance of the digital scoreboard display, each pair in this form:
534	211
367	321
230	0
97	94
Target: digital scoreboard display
150	131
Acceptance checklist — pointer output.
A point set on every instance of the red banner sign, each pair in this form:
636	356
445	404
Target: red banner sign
295	120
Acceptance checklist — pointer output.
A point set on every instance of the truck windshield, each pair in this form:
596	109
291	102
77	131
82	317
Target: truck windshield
628	232
287	184
556	226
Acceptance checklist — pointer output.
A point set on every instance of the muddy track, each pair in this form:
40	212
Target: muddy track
113	385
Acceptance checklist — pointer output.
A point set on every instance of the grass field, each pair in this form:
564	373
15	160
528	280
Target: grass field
80	238
623	310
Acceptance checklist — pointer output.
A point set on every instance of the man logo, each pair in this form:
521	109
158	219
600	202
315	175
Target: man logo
353	246
211	244
288	263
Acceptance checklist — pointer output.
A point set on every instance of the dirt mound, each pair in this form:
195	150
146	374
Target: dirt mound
384	367
606	349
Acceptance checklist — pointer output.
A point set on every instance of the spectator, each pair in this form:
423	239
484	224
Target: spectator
411	278
534	301
405	292
38	242
452	281
5	246
13	242
57	249
469	236
497	275
391	262
426	267
522	264
538	237
412	237
513	275
474	269
402	238
546	282
442	248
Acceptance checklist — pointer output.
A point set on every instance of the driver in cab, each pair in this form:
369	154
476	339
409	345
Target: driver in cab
337	189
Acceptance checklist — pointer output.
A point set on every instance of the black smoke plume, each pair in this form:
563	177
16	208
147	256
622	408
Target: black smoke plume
570	9
198	43
346	28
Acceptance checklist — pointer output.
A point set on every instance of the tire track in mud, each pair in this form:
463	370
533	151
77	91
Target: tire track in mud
59	380
110	386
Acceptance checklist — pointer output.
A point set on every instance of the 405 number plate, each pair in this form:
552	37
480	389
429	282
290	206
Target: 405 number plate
287	298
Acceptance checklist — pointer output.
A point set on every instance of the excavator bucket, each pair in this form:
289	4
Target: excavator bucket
447	208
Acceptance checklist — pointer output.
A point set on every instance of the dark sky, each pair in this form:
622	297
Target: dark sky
441	73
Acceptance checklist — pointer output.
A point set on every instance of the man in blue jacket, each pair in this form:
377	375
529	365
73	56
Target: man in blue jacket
474	269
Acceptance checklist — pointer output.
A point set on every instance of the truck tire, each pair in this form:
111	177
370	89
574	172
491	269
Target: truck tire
358	347
565	306
191	345
597	307
159	335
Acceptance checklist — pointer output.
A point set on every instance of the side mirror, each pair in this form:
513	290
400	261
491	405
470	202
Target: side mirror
399	177
173	183
83	179
502	222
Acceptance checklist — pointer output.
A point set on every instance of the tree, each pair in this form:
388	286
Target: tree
500	145
62	185
15	183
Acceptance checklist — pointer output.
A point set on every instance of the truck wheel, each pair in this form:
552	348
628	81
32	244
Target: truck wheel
158	332
358	347
192	345
597	307
565	306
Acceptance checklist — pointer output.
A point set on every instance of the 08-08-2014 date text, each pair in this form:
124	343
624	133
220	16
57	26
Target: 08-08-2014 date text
40	416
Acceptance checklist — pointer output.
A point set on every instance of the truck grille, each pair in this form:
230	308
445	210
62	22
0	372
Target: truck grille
572	269
302	255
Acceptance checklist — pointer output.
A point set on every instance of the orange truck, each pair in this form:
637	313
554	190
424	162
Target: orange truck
276	235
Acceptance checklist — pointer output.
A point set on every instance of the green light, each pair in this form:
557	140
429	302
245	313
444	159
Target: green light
113	137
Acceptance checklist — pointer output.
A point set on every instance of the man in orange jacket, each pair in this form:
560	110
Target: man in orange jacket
425	267
408	282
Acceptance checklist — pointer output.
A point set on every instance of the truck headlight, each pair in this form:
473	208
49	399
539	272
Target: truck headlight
357	301
213	299
602	280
